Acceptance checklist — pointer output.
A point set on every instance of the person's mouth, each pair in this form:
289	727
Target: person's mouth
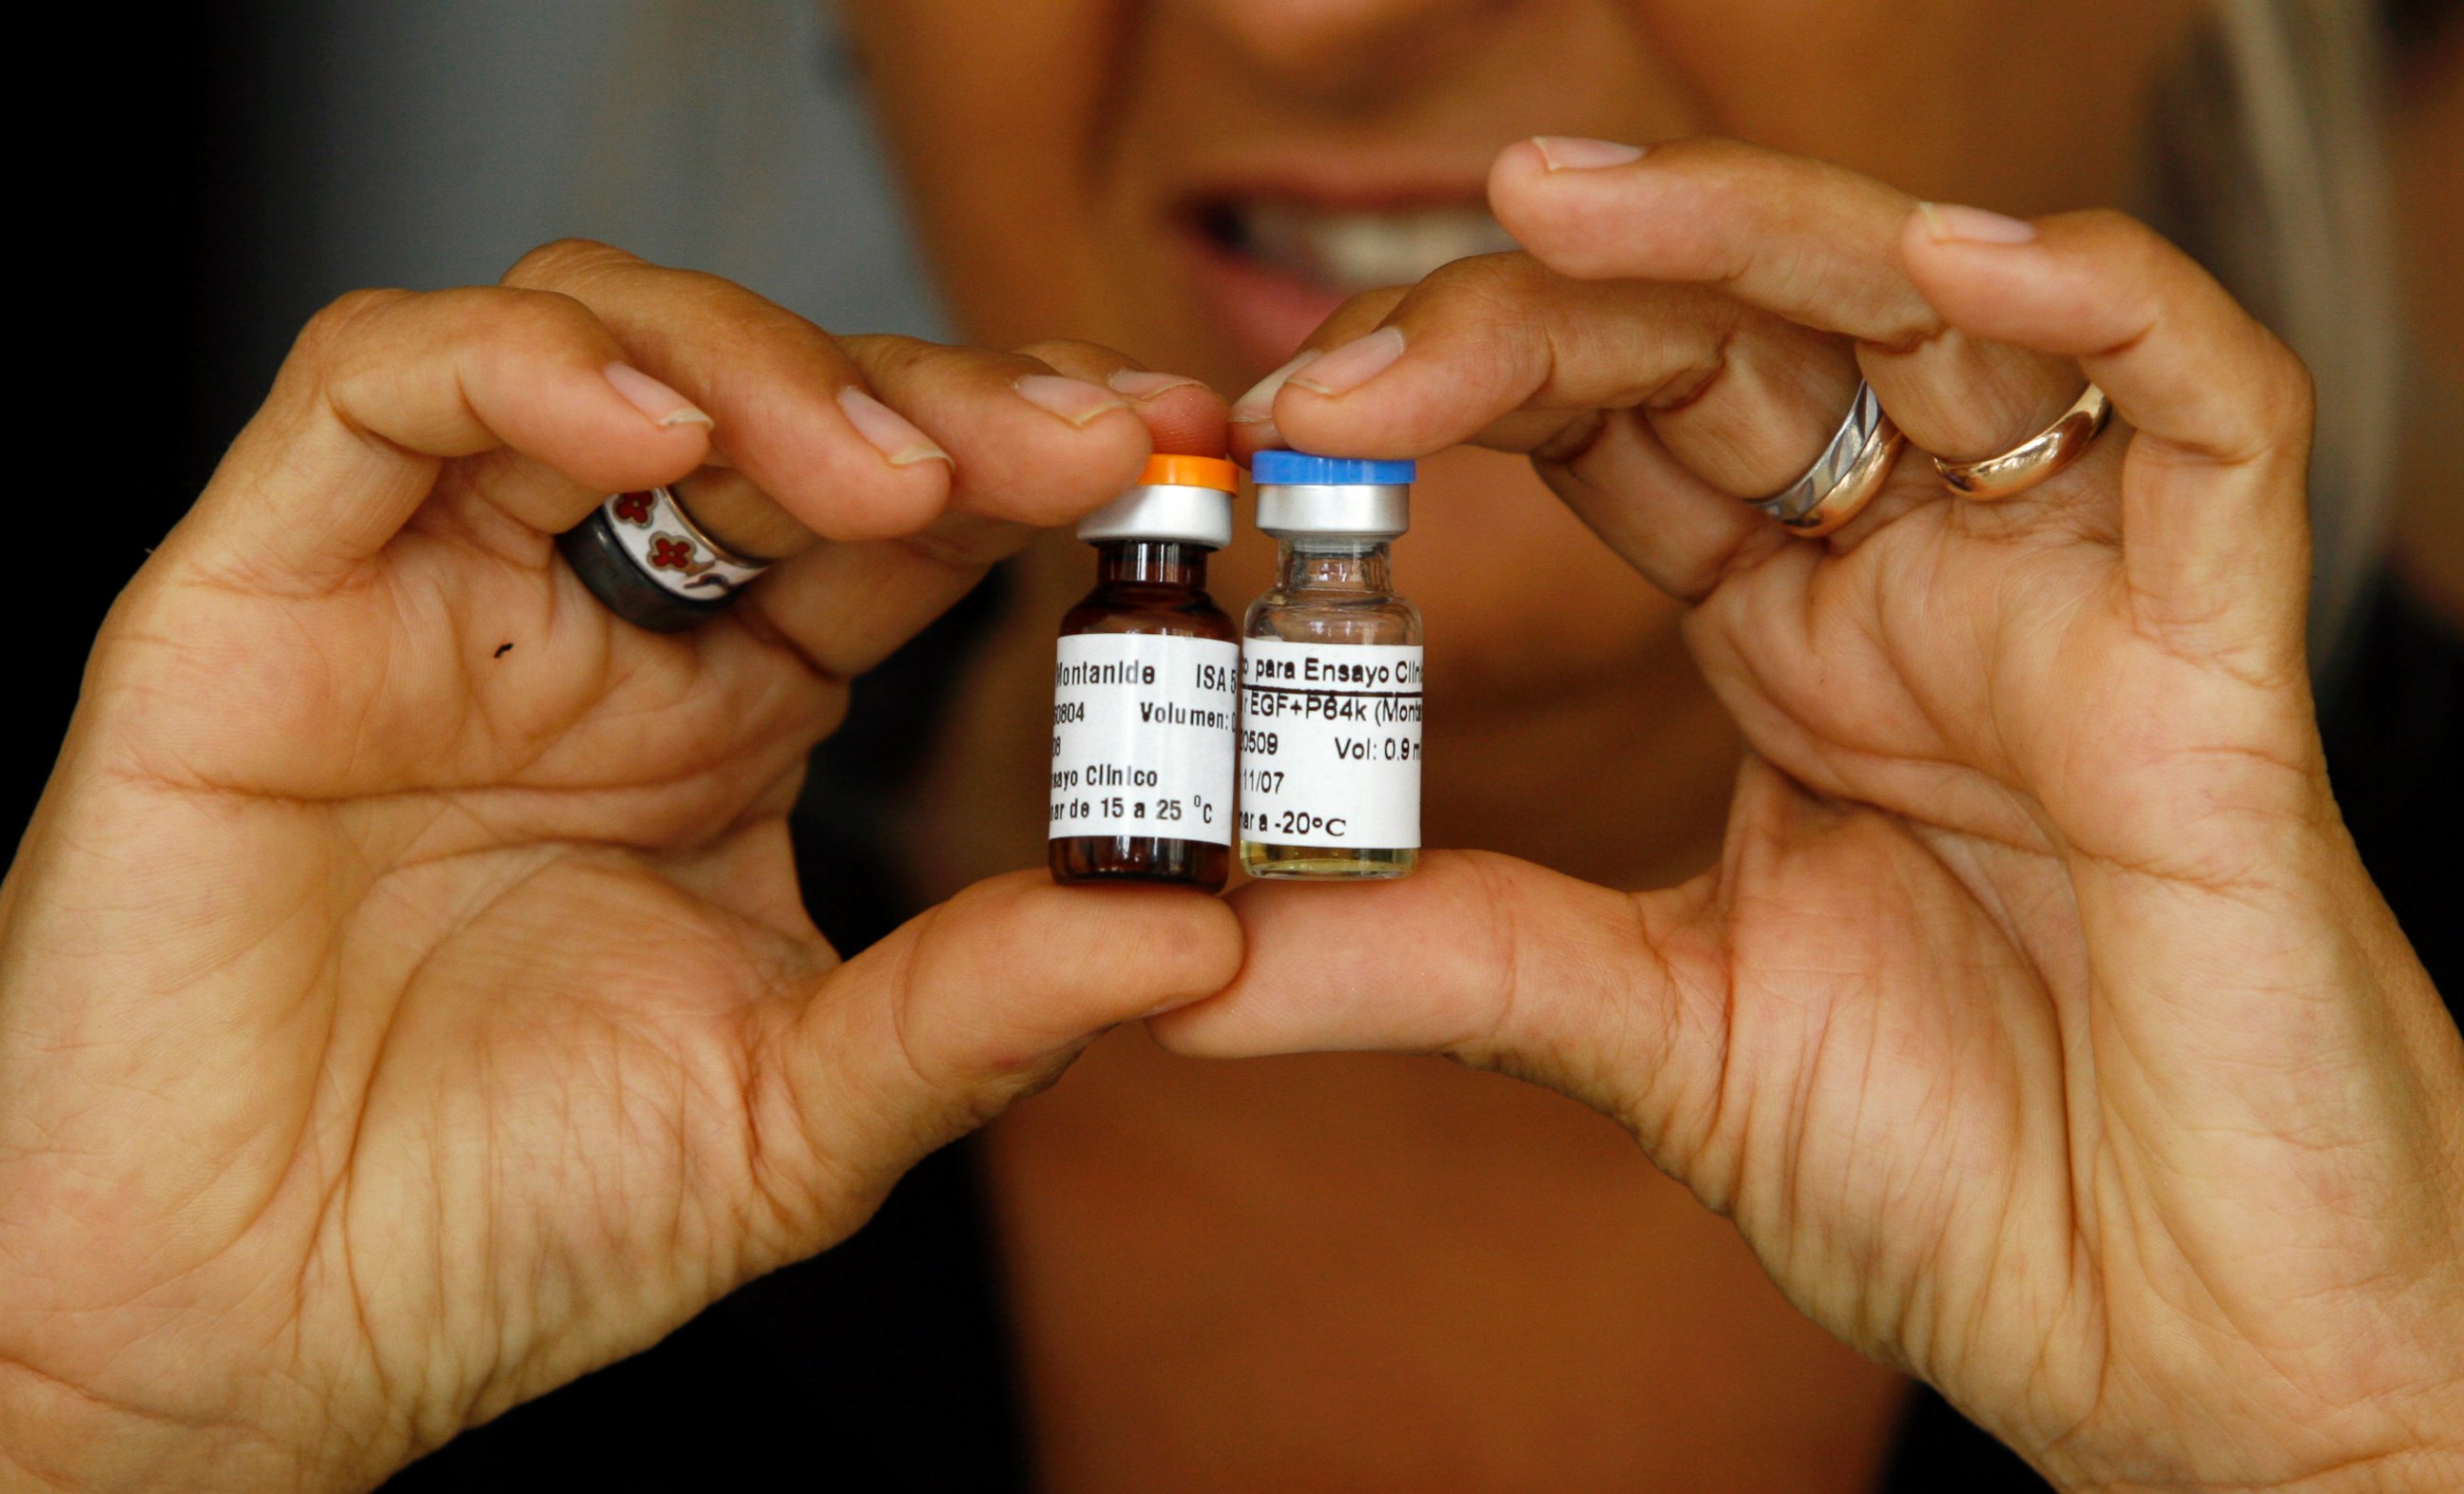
1271	266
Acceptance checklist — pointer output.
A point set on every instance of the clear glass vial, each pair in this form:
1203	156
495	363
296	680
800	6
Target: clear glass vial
1330	677
1144	694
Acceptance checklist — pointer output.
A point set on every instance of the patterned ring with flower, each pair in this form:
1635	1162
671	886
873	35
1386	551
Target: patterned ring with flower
663	541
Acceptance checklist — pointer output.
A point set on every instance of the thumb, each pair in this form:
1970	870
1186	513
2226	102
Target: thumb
1611	999
967	1007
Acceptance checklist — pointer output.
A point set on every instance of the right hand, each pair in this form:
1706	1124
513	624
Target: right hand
406	1000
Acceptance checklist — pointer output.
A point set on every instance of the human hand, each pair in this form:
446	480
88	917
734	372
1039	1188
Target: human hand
2038	1027
406	999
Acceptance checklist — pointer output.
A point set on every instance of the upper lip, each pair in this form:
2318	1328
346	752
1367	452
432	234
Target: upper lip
1215	210
1365	183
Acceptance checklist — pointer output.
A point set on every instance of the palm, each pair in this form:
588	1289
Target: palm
554	1143
1911	1195
469	682
1971	726
1983	670
531	907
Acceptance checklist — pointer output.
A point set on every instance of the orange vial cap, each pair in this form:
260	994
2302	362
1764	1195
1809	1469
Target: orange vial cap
1172	469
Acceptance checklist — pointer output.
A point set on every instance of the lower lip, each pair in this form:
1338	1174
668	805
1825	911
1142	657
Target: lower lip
1263	312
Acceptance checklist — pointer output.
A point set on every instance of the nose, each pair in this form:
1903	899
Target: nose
1339	49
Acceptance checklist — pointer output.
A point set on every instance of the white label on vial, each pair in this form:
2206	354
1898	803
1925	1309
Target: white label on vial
1142	734
1331	745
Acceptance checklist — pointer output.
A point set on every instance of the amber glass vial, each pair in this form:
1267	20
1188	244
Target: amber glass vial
1144	703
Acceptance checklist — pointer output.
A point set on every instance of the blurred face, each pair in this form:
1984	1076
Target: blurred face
1200	182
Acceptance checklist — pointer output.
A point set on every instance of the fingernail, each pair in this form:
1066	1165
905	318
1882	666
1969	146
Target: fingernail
1574	153
1354	363
889	430
1141	384
663	405
1948	222
1074	400
1259	403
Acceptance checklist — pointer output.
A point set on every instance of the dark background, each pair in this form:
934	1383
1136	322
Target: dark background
135	383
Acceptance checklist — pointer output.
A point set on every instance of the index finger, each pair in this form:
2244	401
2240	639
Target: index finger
1804	239
795	417
846	606
383	385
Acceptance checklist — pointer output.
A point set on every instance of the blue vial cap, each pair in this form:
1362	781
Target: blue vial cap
1301	468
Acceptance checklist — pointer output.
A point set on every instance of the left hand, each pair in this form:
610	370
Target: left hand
2038	1027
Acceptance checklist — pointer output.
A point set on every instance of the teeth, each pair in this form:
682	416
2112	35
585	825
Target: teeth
1362	251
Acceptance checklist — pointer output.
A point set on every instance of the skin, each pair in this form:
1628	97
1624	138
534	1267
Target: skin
1043	173
2064	1056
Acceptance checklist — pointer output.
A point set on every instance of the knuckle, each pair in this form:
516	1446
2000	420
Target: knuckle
1495	302
2147	256
508	317
1490	282
560	261
1487	297
490	327
331	332
1731	181
721	298
893	357
2269	397
581	267
2289	390
2112	223
2279	409
1363	312
1723	167
1066	353
2131	257
2271	408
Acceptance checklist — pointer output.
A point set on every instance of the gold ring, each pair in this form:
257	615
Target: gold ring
1837	488
2033	460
